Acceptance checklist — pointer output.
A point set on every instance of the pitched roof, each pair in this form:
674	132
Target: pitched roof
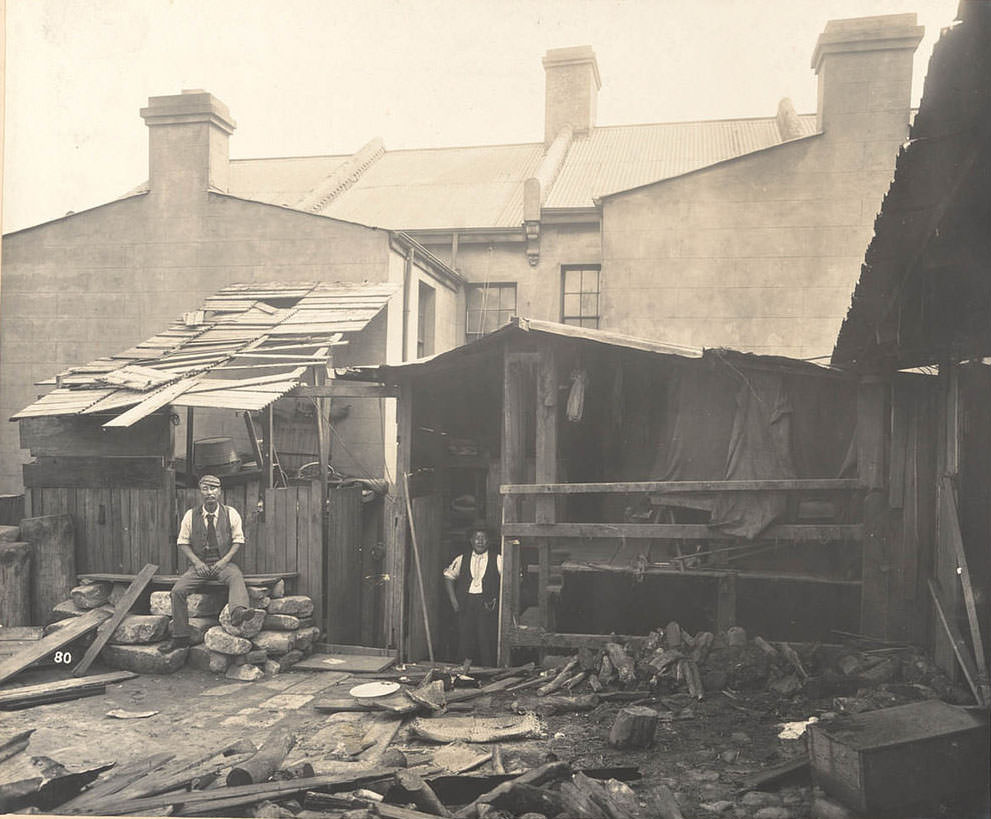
246	346
482	186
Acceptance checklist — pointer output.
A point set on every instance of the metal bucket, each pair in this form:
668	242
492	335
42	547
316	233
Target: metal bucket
215	456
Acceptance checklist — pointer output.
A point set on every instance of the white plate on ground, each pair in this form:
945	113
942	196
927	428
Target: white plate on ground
374	689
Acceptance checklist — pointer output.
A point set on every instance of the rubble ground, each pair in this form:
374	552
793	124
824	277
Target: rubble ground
708	743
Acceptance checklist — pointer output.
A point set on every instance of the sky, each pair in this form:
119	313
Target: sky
311	77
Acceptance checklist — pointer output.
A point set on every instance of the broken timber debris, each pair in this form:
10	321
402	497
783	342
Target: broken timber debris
265	762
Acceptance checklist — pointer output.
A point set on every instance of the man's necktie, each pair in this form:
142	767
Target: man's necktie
211	532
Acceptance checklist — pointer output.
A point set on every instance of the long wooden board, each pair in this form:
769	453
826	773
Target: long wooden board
120	612
170	579
53	642
957	642
21	633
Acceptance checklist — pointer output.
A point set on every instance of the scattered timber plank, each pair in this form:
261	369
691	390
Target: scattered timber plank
340	705
360	663
53	642
773	774
465	694
957	642
21	633
196	802
12	696
550	772
14	744
118	779
58	696
106	630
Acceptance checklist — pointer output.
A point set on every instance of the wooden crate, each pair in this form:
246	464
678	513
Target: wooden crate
910	755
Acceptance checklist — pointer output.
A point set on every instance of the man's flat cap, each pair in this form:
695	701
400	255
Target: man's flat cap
209	480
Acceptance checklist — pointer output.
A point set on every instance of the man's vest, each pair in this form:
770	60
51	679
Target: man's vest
490	580
197	534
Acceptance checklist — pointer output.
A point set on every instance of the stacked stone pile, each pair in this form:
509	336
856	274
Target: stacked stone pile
279	633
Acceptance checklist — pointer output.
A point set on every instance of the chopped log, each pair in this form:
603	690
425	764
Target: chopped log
197	802
497	766
53	562
792	656
586	798
265	762
421	794
766	647
15	580
661	803
634	727
14	744
703	642
563	675
594	683
526	684
53	642
301	770
545	774
606	670
575	681
621	662
120	612
690	673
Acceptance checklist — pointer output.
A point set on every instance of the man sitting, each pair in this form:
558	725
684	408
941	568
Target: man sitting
209	537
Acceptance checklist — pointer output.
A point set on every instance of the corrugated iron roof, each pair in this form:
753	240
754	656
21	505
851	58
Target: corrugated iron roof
247	346
482	186
618	158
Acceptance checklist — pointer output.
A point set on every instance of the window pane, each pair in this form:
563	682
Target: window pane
508	299
590	304
572	281
491	321
590	322
475	298
590	281
572	304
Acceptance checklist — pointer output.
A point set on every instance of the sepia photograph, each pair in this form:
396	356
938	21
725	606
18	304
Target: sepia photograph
533	409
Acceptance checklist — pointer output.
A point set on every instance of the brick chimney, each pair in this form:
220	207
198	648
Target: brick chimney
571	85
188	136
865	68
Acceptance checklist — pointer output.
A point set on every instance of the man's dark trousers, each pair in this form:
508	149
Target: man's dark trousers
230	576
477	631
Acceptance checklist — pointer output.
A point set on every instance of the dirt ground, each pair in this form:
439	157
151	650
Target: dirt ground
703	750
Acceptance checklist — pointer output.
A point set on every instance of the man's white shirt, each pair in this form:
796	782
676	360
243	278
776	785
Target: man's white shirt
479	563
186	527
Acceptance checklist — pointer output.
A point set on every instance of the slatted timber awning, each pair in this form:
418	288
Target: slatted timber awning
245	347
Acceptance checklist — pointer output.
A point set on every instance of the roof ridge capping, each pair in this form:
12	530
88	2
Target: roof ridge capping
885	31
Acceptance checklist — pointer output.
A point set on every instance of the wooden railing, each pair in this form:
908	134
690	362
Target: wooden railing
541	536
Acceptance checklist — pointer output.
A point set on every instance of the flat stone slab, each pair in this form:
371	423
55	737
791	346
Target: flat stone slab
202	659
140	629
91	595
249	628
275	643
199	604
144	659
256	656
216	639
280	622
198	626
247	673
296	604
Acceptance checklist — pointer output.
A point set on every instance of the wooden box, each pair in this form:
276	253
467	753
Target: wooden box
899	757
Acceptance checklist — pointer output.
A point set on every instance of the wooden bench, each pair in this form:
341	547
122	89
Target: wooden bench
268	580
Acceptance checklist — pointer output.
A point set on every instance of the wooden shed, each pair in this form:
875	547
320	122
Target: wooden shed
919	334
632	483
105	449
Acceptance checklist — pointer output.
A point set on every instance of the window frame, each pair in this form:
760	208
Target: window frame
473	286
580	319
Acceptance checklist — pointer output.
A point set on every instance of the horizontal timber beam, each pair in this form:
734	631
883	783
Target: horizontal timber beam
682	531
782	485
347	389
538	637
